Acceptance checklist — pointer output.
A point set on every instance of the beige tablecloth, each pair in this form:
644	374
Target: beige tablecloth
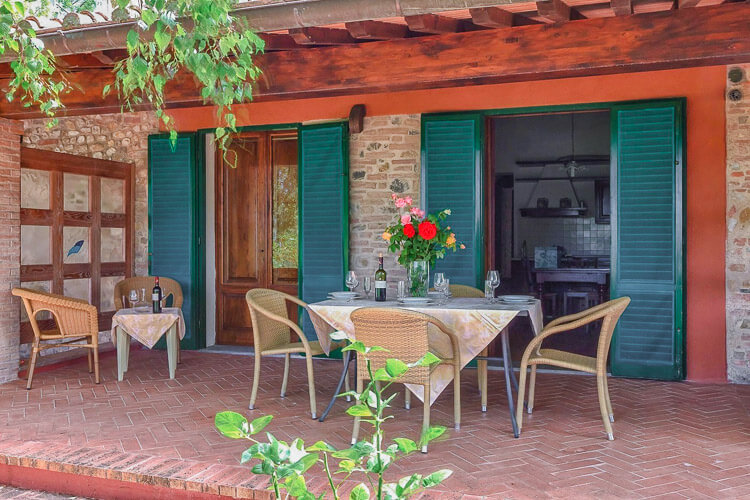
147	327
475	322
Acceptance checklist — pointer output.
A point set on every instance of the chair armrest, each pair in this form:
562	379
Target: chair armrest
573	317
451	335
593	314
286	321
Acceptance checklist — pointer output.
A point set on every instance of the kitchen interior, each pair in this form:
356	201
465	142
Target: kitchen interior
552	210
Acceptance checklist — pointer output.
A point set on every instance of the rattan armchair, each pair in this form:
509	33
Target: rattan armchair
609	313
272	334
405	335
75	321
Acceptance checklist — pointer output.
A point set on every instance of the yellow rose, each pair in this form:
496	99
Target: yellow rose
463	247
451	240
387	236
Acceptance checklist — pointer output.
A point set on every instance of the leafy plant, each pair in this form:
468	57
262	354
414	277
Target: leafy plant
201	37
287	464
36	79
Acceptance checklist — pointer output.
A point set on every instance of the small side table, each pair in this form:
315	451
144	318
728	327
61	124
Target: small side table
147	328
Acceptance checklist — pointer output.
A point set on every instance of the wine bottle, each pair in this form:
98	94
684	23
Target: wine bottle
156	296
380	281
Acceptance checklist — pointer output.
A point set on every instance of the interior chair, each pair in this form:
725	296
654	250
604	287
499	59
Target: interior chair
272	334
405	335
609	313
169	288
75	321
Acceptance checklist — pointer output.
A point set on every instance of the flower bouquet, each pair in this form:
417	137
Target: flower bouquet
419	239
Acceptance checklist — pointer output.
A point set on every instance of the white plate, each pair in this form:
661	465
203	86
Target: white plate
516	298
416	300
343	295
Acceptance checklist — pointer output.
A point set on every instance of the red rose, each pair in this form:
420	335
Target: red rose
427	230
409	230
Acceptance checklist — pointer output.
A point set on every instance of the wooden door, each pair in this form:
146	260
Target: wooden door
256	227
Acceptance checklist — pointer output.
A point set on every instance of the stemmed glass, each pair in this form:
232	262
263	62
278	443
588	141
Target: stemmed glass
351	282
493	277
367	286
133	298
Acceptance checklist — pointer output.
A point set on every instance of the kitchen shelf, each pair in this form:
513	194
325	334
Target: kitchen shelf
554	212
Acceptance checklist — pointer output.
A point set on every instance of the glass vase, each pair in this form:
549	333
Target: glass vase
419	278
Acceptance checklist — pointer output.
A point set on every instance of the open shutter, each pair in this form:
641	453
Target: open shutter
323	212
173	222
647	239
452	178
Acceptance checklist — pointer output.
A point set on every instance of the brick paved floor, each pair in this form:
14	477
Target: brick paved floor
672	439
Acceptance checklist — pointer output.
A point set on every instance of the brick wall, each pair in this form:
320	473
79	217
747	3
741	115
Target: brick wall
10	245
384	159
738	237
118	137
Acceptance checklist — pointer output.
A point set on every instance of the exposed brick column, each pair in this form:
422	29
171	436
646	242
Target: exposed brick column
10	245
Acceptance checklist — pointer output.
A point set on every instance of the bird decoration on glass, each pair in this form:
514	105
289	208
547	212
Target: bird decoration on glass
75	248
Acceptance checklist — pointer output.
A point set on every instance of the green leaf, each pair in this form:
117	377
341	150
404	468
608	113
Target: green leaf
149	16
395	367
162	39
355	346
132	40
433	432
259	424
231	424
321	446
426	360
360	492
405	445
339	335
436	478
359	411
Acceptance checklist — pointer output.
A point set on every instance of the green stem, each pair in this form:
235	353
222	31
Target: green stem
275	482
330	478
378	432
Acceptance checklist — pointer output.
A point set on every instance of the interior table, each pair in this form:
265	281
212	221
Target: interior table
476	322
147	328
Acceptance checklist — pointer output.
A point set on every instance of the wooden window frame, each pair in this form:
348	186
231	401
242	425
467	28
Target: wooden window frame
56	217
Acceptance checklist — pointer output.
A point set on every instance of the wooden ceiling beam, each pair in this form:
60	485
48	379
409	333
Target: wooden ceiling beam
279	41
621	7
717	35
554	11
492	17
321	36
376	30
433	24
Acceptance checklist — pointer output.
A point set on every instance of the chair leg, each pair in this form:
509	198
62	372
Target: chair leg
521	394
532	387
601	385
89	356
286	375
179	351
355	429
482	371
256	379
311	385
457	396
34	354
96	362
609	402
407	398
426	418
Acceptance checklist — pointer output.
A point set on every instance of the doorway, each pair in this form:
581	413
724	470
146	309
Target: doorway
256	227
550	211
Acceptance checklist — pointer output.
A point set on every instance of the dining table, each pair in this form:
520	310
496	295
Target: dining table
476	322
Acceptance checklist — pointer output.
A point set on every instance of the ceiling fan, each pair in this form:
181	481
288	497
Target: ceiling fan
572	163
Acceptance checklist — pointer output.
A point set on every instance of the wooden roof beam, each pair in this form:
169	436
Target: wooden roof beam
554	11
621	7
492	17
433	24
279	41
321	36
376	30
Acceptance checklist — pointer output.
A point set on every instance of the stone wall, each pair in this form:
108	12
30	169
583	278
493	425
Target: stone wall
738	228
118	137
10	245
384	159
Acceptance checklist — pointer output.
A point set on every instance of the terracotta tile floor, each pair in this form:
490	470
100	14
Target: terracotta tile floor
672	439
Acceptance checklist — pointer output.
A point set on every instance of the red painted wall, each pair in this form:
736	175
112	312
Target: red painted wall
706	164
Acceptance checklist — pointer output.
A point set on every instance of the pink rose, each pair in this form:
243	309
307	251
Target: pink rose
408	200
400	203
417	212
394	196
405	219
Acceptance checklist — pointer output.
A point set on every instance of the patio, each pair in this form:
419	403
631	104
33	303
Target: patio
150	433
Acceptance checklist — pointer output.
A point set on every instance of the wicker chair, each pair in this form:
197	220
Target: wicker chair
272	334
168	286
75	321
609	313
404	334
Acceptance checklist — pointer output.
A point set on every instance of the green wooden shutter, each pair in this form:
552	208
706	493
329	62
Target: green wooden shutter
324	212
452	178
173	231
648	239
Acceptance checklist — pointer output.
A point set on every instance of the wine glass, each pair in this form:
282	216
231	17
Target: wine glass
351	281
446	290
367	286
133	298
401	291
494	278
143	295
439	281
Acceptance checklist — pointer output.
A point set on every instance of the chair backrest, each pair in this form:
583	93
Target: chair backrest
403	333
611	310
168	287
463	291
268	332
74	317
